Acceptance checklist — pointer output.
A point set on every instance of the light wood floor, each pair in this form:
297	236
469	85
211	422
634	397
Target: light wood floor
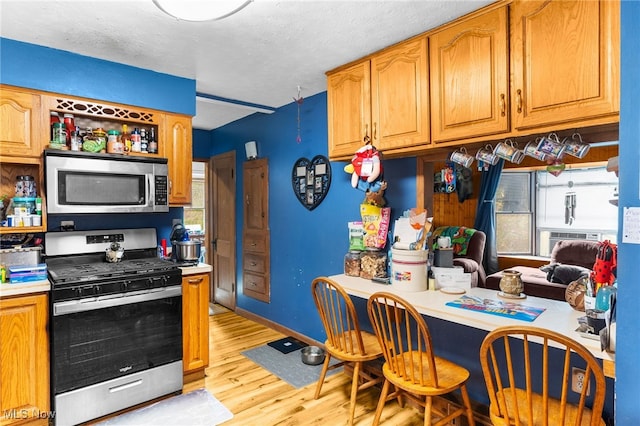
256	397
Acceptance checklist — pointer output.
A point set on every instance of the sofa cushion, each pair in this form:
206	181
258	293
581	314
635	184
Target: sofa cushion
564	274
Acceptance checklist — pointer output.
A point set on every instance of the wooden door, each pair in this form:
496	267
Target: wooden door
348	109
400	96
470	78
565	61
176	146
24	359
20	124
223	220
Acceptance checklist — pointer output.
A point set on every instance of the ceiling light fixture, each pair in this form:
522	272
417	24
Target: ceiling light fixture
200	10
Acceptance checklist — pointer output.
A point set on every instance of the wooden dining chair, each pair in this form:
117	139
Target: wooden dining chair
345	340
516	363
410	363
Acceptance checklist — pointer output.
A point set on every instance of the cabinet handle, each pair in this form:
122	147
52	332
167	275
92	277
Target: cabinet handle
170	186
519	100
502	105
366	132
253	264
195	280
247	199
374	134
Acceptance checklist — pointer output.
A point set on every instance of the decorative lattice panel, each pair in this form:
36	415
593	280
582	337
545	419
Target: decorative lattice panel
104	110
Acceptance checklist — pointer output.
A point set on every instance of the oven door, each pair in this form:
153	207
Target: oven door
96	340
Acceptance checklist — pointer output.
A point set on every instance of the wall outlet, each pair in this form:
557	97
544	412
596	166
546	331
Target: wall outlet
578	380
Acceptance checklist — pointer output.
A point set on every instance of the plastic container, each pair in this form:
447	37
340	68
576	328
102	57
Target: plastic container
352	264
373	263
409	269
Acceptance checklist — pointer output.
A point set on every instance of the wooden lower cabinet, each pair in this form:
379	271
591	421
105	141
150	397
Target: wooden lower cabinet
24	360
195	325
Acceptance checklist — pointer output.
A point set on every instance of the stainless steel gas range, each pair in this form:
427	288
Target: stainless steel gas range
116	328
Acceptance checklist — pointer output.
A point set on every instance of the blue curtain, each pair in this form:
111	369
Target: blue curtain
485	215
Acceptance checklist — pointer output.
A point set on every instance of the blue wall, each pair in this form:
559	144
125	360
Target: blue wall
304	244
53	70
628	341
29	65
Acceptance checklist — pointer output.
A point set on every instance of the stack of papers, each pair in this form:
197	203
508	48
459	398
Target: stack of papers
28	273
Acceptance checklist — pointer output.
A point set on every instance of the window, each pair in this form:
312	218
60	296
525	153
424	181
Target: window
536	209
195	214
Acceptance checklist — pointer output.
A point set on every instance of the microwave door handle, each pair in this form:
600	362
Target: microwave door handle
150	199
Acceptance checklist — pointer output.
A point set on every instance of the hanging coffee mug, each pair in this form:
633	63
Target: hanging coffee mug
509	151
487	155
461	157
551	146
575	146
531	149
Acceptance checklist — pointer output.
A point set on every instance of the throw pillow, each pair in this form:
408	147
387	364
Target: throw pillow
564	274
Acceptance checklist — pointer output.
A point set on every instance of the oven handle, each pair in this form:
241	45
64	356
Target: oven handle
73	306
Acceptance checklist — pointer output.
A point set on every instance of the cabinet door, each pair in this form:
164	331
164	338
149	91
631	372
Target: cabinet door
20	124
256	195
348	109
469	78
565	61
195	322
24	358
400	96
176	146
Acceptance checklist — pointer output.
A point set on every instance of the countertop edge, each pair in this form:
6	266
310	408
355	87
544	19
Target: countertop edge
24	289
200	268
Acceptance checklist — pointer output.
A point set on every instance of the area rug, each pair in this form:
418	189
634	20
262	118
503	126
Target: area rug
197	408
288	367
286	345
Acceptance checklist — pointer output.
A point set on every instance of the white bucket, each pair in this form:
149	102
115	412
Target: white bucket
409	269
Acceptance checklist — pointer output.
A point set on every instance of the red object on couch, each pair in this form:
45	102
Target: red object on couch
579	253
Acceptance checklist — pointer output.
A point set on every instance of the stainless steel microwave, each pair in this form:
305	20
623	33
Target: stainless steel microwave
80	182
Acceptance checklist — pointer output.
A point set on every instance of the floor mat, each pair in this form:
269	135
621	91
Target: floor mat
197	408
288	367
286	345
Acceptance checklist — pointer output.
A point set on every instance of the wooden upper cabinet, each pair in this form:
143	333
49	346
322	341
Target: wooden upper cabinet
176	146
20	128
470	78
400	96
565	59
348	109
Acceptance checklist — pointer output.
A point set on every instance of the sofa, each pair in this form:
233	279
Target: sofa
570	260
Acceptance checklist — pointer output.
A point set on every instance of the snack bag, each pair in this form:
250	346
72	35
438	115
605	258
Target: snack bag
375	221
356	236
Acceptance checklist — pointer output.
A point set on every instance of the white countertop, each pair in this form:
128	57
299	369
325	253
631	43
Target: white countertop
19	289
200	268
558	316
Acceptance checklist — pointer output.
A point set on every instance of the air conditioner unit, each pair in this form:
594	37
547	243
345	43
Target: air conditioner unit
556	236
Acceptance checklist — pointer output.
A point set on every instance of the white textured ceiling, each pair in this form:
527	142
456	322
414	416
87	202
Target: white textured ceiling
259	55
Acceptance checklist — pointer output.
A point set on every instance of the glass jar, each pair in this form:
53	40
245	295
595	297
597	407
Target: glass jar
352	264
25	186
373	263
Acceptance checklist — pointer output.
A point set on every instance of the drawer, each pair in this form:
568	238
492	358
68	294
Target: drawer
254	263
255	243
254	283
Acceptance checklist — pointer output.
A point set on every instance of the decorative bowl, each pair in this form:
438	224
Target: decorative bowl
312	355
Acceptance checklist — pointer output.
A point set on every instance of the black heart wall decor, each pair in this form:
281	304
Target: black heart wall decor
311	180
